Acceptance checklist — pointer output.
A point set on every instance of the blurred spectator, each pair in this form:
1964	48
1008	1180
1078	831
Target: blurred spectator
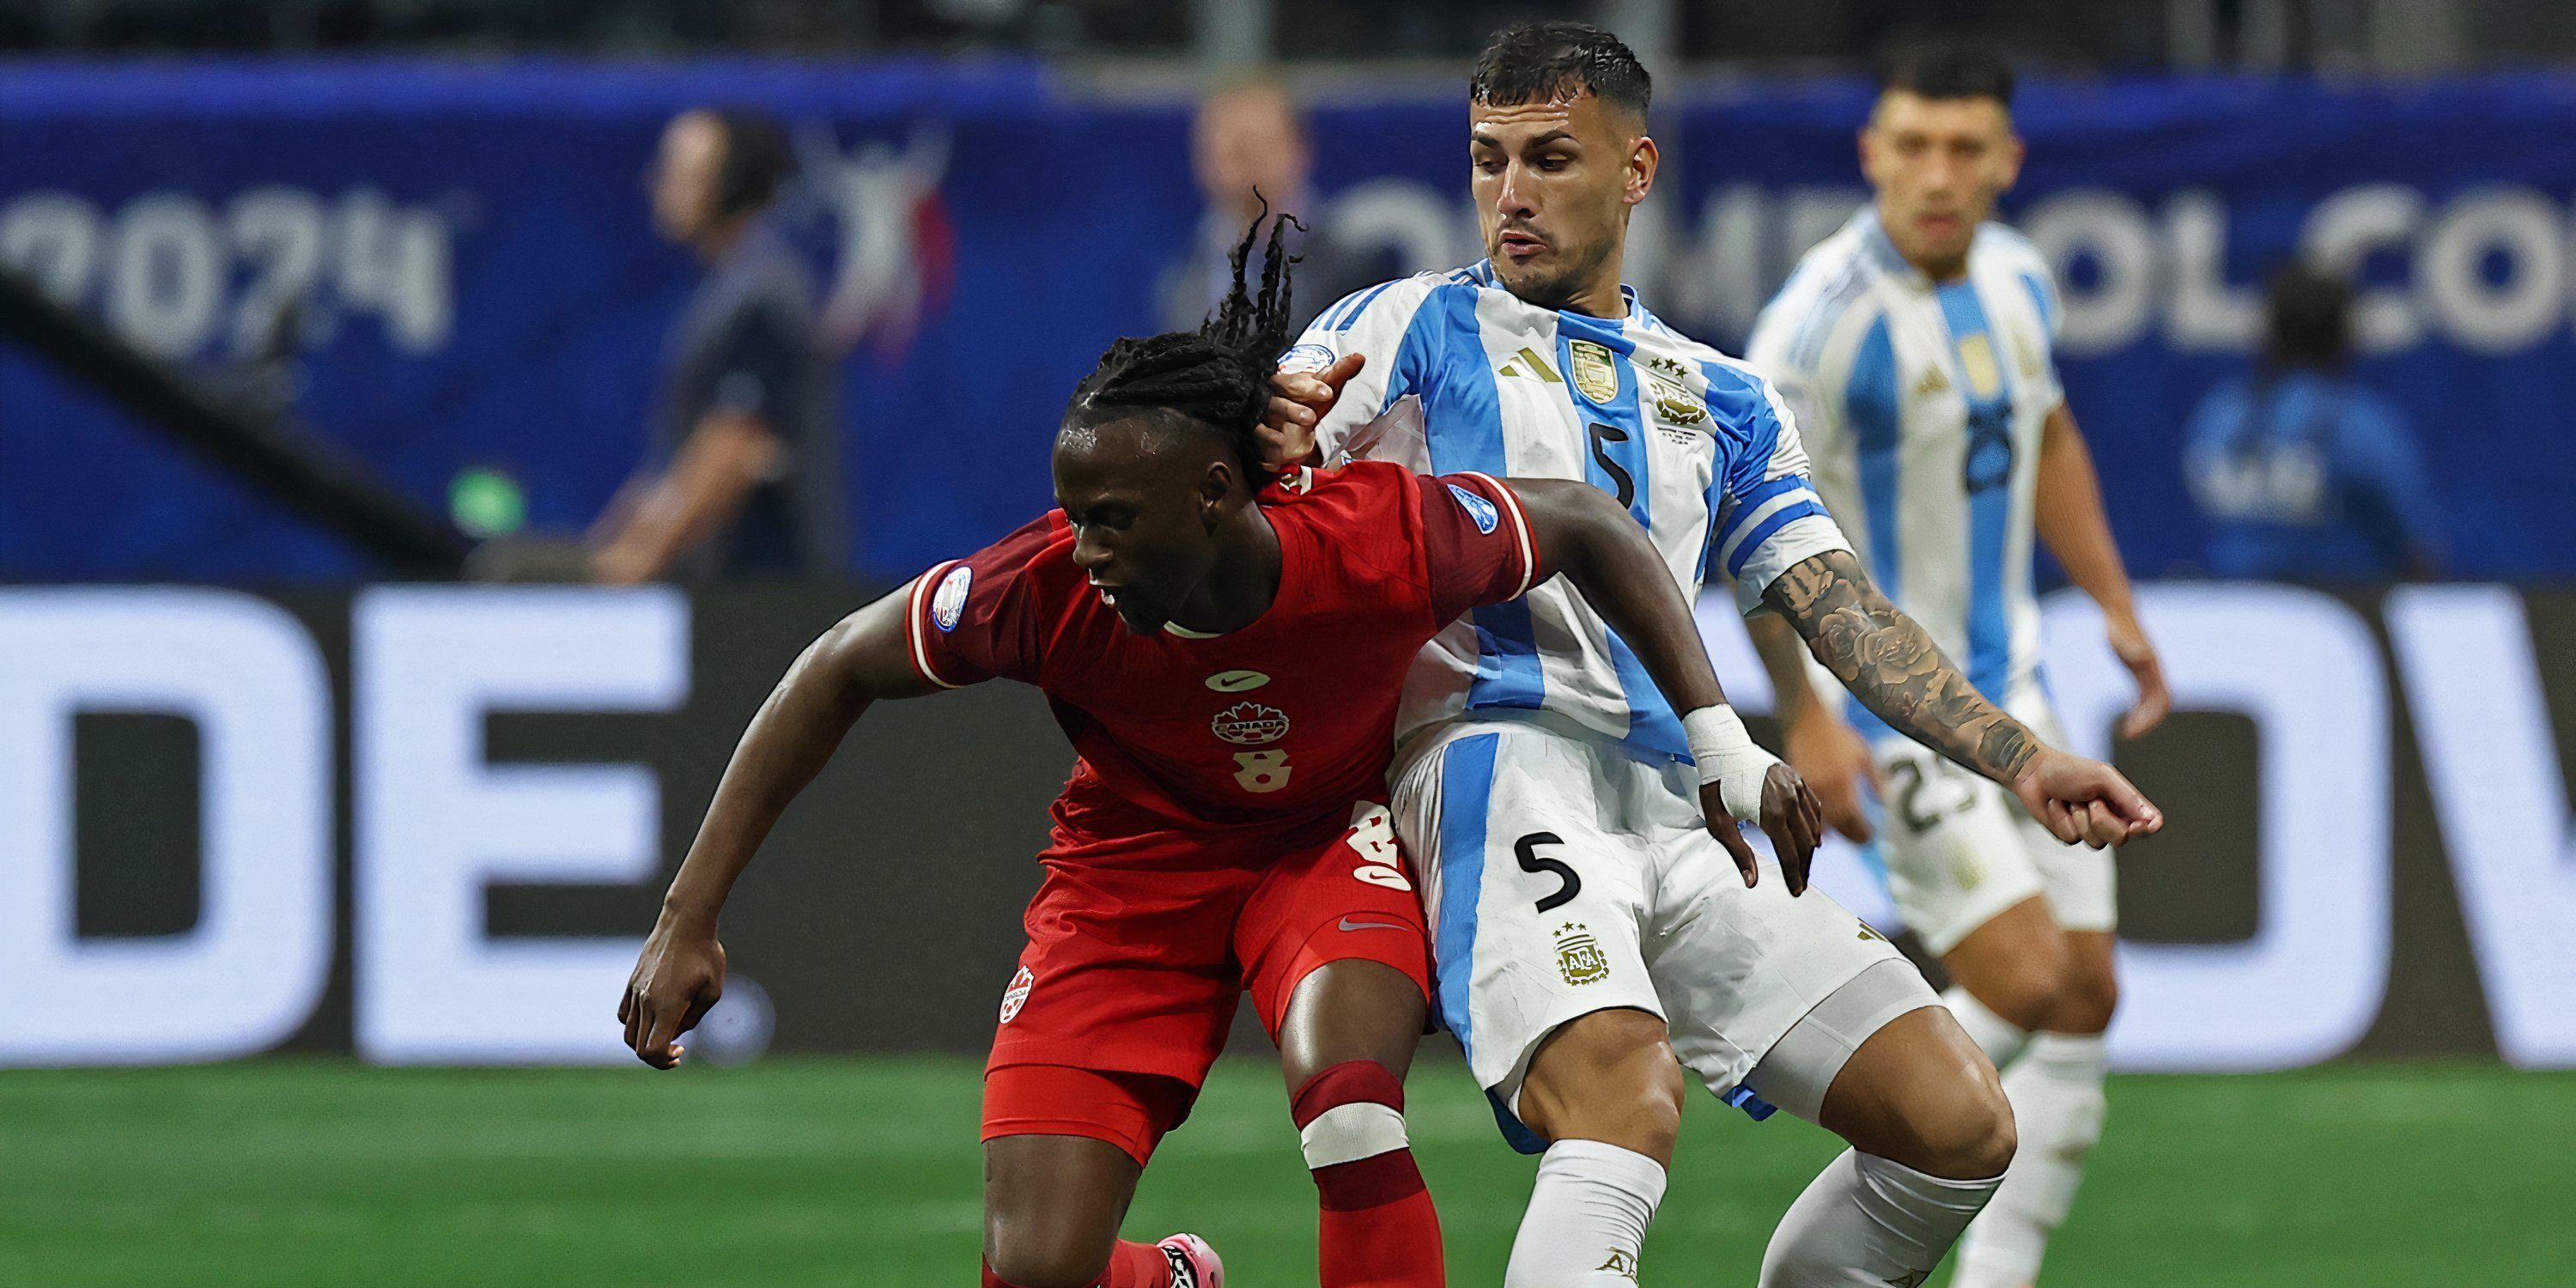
2304	474
742	478
1249	136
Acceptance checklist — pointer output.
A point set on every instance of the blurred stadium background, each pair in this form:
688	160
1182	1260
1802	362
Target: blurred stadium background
317	314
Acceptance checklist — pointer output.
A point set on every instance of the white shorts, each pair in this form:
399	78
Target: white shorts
1562	877
1959	848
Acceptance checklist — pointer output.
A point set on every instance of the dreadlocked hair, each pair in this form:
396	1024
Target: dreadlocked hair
1218	375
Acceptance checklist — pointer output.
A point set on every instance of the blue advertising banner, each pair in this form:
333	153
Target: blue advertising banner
475	283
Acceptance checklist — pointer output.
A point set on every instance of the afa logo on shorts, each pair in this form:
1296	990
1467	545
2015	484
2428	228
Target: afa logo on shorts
1017	995
1579	957
1478	508
1250	724
949	603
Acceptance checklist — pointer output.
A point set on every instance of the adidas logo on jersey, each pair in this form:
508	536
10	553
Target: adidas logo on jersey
1527	365
1933	382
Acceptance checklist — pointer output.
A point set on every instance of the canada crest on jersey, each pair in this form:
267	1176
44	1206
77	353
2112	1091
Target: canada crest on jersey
1250	724
1017	995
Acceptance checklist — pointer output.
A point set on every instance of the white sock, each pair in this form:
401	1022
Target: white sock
1999	1038
1587	1218
2056	1094
1865	1222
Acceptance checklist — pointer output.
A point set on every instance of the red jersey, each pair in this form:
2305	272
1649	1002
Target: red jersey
1289	719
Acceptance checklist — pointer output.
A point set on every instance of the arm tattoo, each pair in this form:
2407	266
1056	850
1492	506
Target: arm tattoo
1890	663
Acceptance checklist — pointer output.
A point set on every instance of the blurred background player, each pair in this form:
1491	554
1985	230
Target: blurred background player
1914	346
1249	150
742	476
1590	942
2304	473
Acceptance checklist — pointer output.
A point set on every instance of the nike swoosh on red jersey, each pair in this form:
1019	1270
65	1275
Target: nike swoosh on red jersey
1348	924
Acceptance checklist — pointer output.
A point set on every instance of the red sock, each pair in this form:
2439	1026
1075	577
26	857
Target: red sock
1379	1229
1131	1265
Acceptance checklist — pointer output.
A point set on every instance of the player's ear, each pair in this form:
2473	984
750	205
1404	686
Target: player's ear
1644	158
1214	486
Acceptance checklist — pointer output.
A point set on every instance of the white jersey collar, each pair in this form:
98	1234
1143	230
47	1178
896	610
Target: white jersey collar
1482	274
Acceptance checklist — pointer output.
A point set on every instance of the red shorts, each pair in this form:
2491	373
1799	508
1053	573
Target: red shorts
1140	946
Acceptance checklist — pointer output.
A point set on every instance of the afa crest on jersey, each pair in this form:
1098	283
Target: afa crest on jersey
1250	724
1478	508
1596	371
1668	384
949	602
1579	957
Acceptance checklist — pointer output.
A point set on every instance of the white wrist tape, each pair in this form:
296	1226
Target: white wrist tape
1728	757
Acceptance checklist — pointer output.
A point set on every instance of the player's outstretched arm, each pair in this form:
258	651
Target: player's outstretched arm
2069	518
1580	532
681	972
1890	663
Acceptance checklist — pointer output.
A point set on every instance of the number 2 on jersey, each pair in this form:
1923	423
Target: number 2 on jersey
1909	778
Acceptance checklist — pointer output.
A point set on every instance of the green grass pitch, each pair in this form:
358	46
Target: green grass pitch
865	1172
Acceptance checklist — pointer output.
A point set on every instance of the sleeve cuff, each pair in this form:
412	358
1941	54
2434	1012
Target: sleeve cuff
917	609
1524	541
1795	542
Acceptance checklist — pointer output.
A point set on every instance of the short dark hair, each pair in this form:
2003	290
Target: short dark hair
1947	69
1218	375
757	160
2307	318
1552	62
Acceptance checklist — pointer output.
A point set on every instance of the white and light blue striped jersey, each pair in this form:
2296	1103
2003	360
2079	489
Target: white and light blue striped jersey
1463	375
1923	403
